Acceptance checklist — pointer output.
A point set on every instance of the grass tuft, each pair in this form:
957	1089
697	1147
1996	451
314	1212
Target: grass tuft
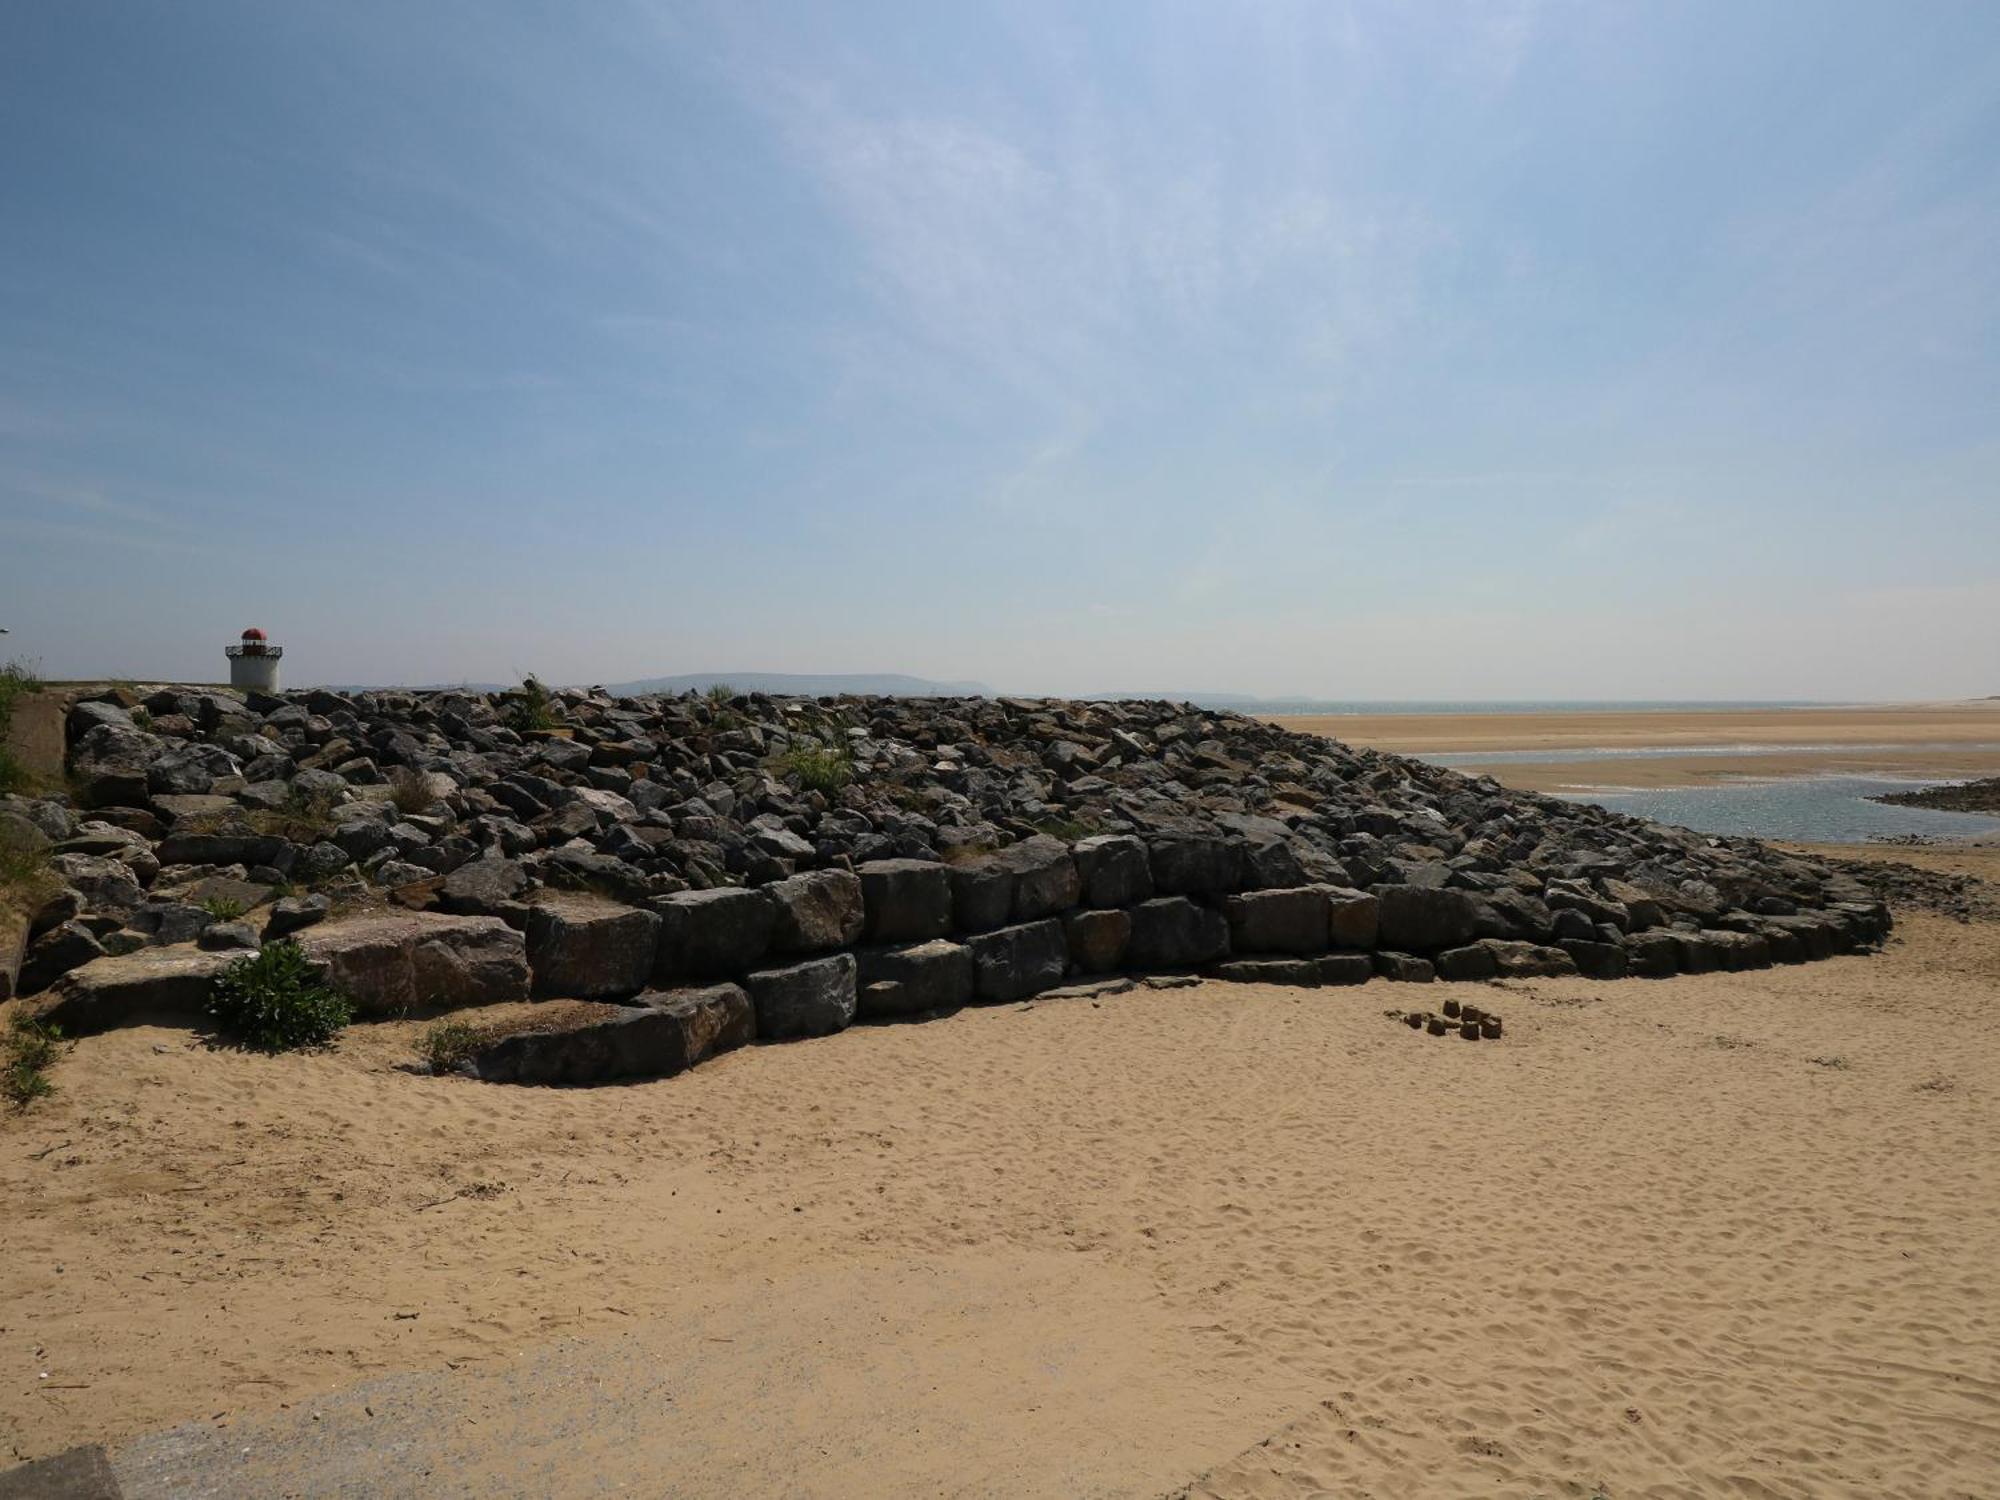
818	768
530	707
410	790
27	1052
448	1043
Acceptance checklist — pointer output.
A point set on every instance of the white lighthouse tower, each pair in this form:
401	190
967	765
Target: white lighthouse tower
253	663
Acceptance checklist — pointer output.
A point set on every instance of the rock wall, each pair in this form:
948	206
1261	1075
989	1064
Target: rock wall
842	859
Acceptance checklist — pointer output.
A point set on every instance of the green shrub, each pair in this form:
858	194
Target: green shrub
530	707
274	1002
720	692
27	1052
818	768
448	1043
223	908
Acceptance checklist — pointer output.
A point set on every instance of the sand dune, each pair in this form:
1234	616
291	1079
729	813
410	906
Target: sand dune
1731	1234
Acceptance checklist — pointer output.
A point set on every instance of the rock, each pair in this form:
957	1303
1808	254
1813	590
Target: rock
1475	961
484	887
1738	950
1656	955
1197	864
1016	962
713	933
913	978
1354	918
294	914
583	948
1574	895
905	900
153	983
229	937
1113	870
982	895
1597	960
1303	972
240	848
388	962
1404	968
1171	932
106	885
1422	919
108	766
1514	959
815	998
1279	921
1044	876
659	1035
1345	968
1097	939
67	945
813	912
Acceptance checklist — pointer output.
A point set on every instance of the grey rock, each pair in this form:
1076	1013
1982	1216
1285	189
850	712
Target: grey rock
912	978
1355	918
1345	968
388	962
583	948
1097	939
484	887
713	933
294	914
1171	932
1421	919
1016	962
905	900
229	937
1113	869
815	911
815	998
153	983
1279	921
1299	972
1404	968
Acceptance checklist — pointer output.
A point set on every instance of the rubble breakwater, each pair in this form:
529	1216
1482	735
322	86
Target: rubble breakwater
711	870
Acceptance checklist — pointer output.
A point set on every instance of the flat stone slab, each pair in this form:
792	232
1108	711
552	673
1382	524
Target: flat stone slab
79	1474
392	961
815	998
133	987
667	1033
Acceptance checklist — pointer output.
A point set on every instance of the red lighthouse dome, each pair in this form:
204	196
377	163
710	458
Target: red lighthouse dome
253	634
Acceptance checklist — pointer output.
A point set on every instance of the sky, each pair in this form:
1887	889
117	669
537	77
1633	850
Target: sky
1351	350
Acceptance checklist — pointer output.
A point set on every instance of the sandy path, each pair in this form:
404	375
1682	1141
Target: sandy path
1728	1234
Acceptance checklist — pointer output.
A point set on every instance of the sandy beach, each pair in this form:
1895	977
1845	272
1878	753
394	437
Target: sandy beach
1916	740
1720	1234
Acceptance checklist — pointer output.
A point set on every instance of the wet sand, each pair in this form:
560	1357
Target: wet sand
1915	740
1726	1234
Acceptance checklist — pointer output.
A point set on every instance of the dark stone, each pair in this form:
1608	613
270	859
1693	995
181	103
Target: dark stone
225	849
1016	962
1279	921
814	912
1197	864
295	914
586	949
389	962
484	887
1302	972
1597	960
76	1474
982	895
918	977
1097	939
229	937
1345	968
714	933
815	998
1355	918
1423	919
152	983
1404	968
1656	955
1171	932
68	945
905	900
1475	961
664	1034
1044	876
1113	869
1514	959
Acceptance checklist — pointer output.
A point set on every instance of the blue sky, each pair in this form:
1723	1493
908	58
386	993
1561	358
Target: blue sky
1357	350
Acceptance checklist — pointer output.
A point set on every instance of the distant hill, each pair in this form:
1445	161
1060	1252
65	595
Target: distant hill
806	685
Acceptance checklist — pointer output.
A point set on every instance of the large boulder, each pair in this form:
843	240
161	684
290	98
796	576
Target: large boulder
663	1033
1355	918
1018	961
588	949
486	887
982	895
905	900
1171	932
815	911
1424	919
65	946
1097	938
109	763
913	978
388	962
1044	877
1113	870
714	933
164	983
815	998
1279	921
1198	864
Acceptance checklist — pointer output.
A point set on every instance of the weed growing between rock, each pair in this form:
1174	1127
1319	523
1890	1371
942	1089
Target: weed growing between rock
274	1001
27	1052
